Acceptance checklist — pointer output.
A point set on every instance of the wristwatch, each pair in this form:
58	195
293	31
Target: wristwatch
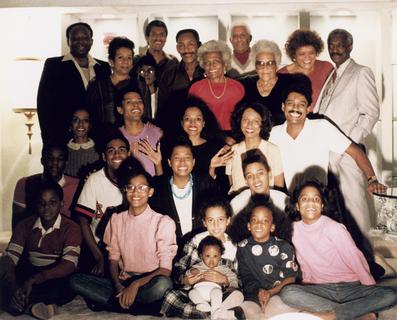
372	179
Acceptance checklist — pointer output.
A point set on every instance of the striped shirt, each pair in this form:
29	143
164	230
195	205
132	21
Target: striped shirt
57	248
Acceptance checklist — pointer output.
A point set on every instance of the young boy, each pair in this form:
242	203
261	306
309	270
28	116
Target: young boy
100	193
53	159
204	291
178	195
42	253
143	139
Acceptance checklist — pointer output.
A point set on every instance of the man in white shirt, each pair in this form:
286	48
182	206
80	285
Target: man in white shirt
64	81
306	143
350	100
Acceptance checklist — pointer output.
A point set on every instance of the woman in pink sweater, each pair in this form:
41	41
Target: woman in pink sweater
336	282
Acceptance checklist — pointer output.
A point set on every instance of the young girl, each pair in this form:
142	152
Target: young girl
266	263
81	148
336	282
216	213
141	244
251	125
204	292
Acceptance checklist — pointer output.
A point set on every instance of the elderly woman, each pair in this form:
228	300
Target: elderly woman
101	91
303	48
267	85
219	92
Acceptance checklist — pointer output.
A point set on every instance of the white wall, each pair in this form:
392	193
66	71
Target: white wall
39	32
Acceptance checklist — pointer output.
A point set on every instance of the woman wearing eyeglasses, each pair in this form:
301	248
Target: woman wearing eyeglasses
148	87
267	85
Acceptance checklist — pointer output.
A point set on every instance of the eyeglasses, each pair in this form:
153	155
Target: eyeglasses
265	64
142	72
140	188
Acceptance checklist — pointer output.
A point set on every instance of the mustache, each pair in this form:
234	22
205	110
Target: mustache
335	54
295	111
186	53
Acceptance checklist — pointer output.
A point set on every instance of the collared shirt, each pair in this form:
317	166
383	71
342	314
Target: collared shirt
91	70
342	68
77	146
44	232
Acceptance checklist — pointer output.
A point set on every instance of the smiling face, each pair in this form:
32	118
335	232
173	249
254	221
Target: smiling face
261	224
240	39
132	107
116	152
257	178
251	122
211	256
48	207
138	193
187	47
181	161
81	125
310	205
193	121
80	41
214	66
157	38
122	63
295	109
338	50
216	222
305	57
266	66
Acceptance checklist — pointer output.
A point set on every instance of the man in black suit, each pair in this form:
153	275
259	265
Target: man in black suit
64	81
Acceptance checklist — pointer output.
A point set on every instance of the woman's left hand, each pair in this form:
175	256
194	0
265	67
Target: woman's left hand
215	276
145	148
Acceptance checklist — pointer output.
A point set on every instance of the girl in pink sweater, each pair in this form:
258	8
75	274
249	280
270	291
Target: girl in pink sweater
336	282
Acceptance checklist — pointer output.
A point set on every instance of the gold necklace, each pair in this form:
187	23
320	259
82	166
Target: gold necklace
212	91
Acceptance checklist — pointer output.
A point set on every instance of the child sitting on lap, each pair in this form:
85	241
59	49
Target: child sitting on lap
204	291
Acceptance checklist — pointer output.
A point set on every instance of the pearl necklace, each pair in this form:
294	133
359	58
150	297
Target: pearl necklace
187	193
212	91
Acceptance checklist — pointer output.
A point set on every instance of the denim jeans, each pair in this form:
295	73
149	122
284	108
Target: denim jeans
347	299
100	291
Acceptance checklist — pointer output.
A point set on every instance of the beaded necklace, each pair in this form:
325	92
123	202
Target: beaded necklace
189	188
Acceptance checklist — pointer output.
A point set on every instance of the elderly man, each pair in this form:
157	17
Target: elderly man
176	79
240	38
64	81
350	100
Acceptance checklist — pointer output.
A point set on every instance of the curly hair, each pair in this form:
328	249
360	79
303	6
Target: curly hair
254	156
300	38
238	230
211	130
237	116
292	211
266	46
117	43
213	201
131	168
210	241
78	24
215	46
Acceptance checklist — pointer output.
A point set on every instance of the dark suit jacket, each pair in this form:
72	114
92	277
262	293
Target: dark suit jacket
61	92
163	201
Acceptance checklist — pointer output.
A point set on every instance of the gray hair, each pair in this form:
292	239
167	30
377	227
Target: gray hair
239	24
346	36
266	46
215	46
